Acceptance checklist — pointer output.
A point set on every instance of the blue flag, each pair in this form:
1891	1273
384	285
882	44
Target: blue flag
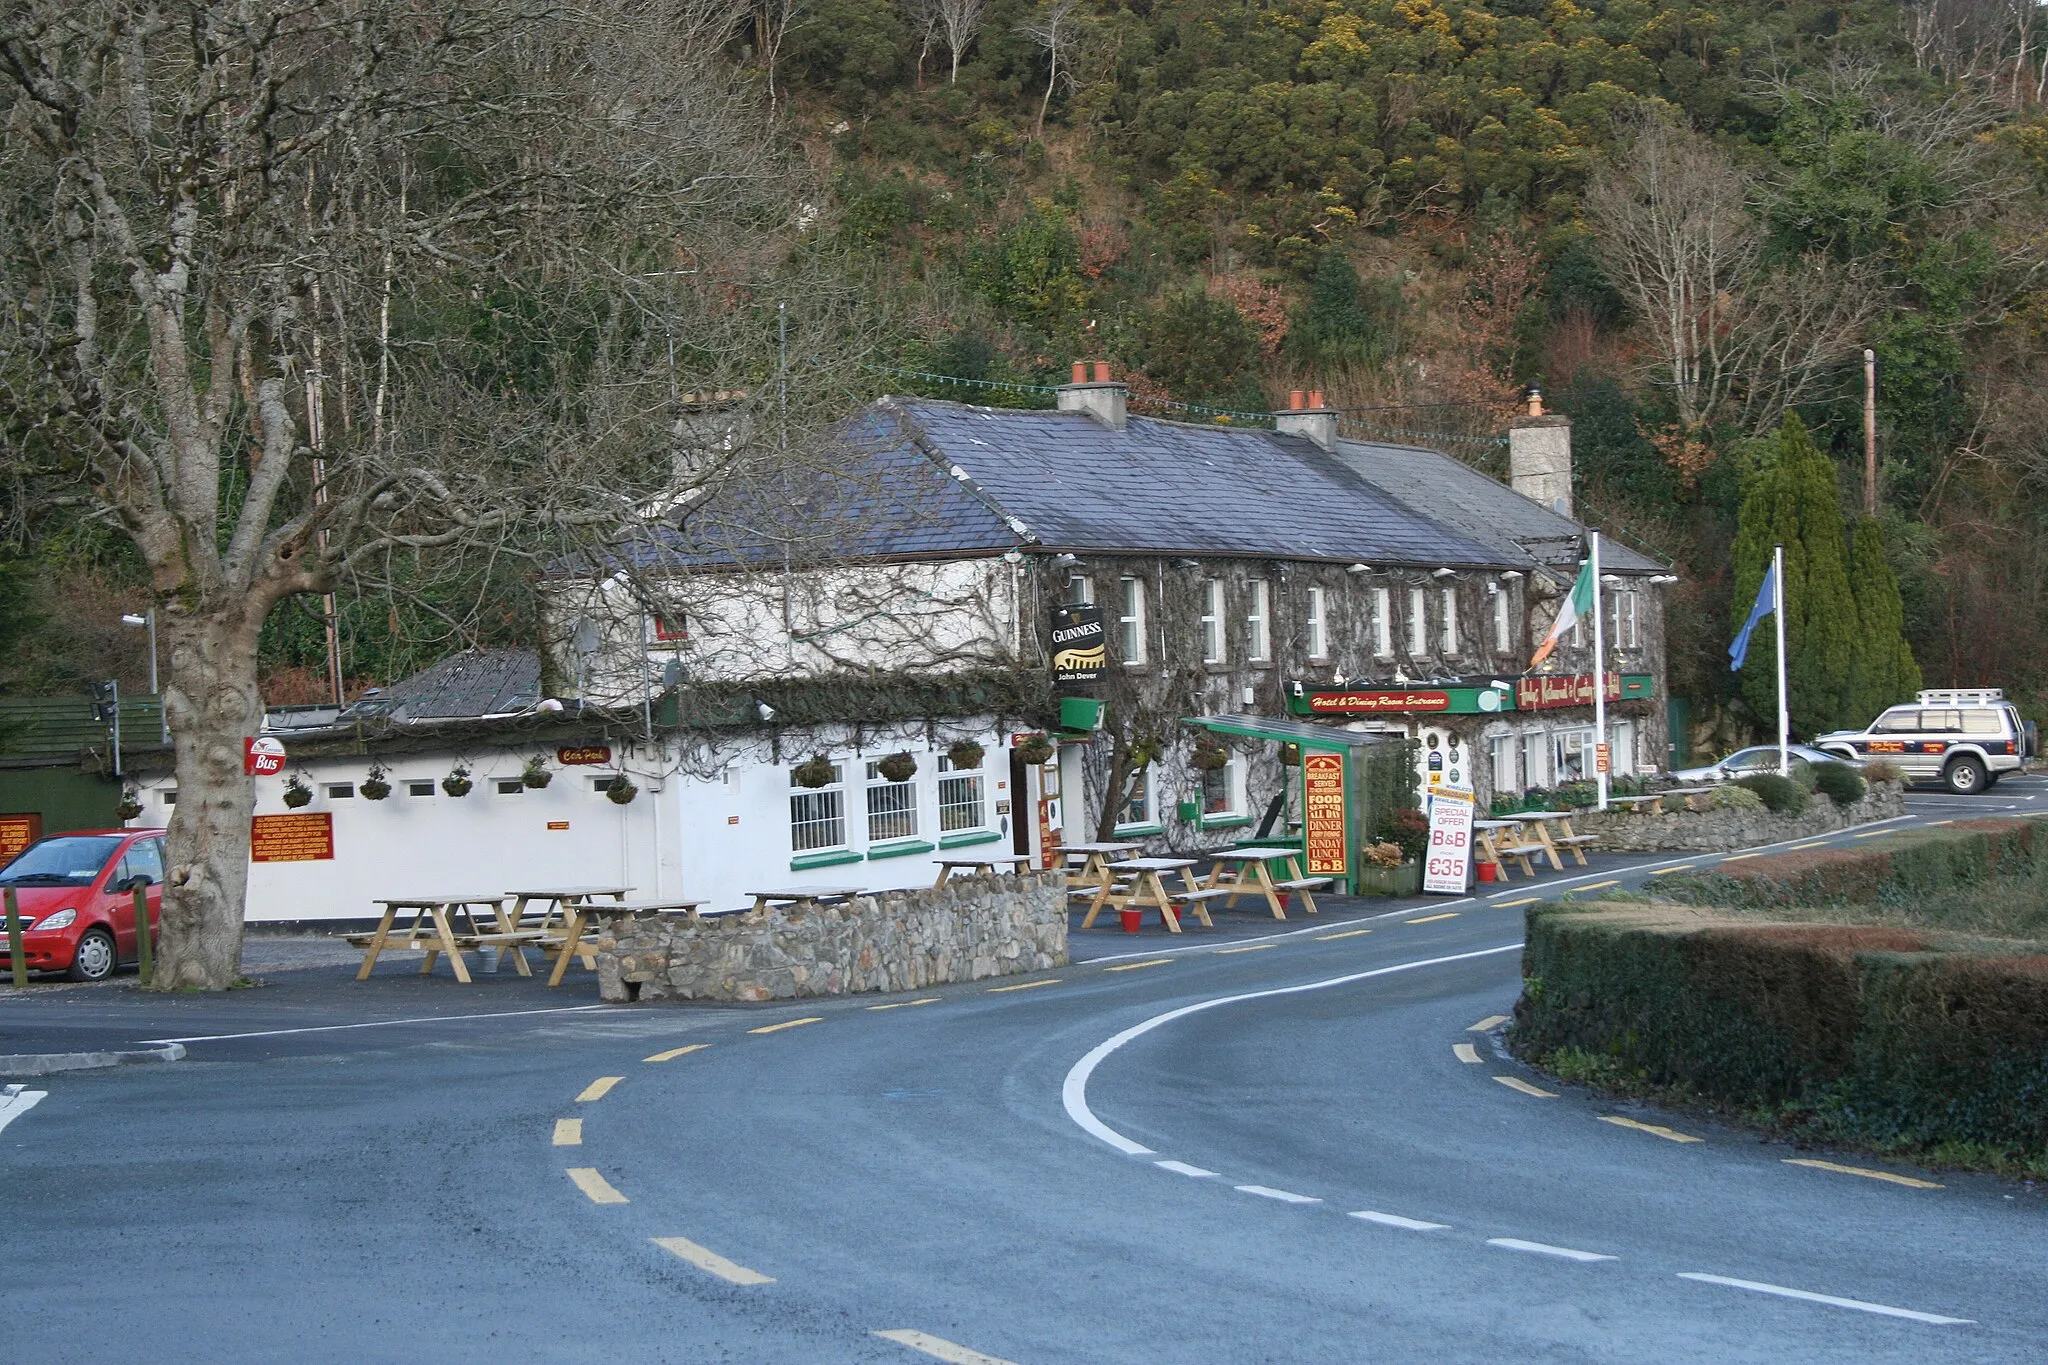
1766	603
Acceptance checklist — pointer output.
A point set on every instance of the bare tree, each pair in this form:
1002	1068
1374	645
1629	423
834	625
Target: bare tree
471	249
774	20
1054	28
962	20
928	19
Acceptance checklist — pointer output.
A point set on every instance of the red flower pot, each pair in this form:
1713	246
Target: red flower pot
1489	871
1132	919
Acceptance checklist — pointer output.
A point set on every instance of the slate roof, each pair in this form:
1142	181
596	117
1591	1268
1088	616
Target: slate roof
465	686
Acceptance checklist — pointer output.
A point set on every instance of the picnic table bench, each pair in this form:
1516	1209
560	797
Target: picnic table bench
1140	888
1253	875
982	866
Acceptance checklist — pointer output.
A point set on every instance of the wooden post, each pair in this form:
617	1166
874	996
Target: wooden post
15	957
1869	433
143	958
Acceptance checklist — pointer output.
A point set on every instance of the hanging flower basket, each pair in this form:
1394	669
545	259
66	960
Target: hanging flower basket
620	791
898	767
377	785
296	792
457	783
1035	750
536	774
1210	758
965	754
1144	753
1290	755
130	807
815	771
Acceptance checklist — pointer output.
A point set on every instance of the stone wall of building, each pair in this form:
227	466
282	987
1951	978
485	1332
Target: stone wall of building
1720	831
971	928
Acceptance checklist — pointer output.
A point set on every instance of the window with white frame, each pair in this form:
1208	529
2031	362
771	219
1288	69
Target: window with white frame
1220	787
892	806
1130	621
1080	590
1258	618
1503	621
1137	807
1505	750
962	802
1318	637
1627	621
817	815
1450	623
1572	754
1418	623
1535	755
1382	623
1212	621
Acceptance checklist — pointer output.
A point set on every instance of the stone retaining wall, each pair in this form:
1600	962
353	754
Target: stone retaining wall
1719	831
971	928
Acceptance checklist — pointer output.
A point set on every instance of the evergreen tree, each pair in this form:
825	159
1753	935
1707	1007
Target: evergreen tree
1882	671
1792	499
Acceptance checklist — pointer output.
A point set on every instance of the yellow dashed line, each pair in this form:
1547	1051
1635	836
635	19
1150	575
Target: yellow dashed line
1870	834
1668	1134
1509	905
1024	986
1249	948
1432	919
1133	966
568	1132
1348	933
676	1052
596	1186
906	1004
1866	1173
1598	886
1797	847
939	1348
1682	867
598	1089
705	1259
1490	1021
1932	823
1738	857
1466	1053
788	1023
1517	1083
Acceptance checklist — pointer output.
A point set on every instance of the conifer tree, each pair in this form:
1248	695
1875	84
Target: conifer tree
1792	499
1883	671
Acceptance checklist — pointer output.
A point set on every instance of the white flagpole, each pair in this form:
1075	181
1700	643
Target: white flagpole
1784	711
1599	666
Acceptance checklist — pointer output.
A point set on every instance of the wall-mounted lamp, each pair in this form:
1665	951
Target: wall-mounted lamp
1013	556
1359	568
1295	688
1187	563
1441	573
1663	578
1512	575
1500	686
1066	561
764	711
1610	578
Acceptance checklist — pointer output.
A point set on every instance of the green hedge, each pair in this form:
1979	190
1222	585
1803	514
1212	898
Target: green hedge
1894	1037
1894	870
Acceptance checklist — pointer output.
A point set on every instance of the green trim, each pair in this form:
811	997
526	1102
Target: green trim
1139	829
901	848
832	859
969	836
1225	821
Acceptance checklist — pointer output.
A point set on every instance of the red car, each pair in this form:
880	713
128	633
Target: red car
76	893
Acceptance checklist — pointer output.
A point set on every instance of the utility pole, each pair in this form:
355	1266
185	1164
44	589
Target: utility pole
1869	433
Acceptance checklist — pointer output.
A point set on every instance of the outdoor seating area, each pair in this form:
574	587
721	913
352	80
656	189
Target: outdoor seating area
1133	886
1517	840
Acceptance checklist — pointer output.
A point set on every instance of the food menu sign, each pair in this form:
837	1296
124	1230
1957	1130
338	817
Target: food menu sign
1322	781
1543	692
307	837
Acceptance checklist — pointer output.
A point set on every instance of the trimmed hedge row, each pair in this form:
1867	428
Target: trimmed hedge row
1895	870
1892	1037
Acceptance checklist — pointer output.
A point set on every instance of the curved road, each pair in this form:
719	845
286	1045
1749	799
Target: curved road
1283	1148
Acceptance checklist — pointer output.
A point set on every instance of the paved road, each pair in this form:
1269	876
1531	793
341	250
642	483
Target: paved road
958	1167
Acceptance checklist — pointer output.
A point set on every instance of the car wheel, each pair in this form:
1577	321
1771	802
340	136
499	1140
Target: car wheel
94	960
1964	775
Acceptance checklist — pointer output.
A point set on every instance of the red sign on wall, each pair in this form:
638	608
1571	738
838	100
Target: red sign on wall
262	757
1392	699
1548	692
1322	785
17	832
303	838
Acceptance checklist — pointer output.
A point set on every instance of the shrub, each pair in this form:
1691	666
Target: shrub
1839	782
1781	794
1903	869
1883	770
1408	828
1730	796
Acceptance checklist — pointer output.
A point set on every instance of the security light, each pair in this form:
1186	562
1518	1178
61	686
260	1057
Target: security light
765	711
1065	561
131	619
1441	573
1610	578
1359	568
1187	563
1663	578
1512	575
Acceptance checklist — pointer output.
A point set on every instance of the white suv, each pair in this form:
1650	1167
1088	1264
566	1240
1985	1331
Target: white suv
1967	738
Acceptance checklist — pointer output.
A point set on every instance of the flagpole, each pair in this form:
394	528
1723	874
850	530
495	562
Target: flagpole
1599	668
1784	712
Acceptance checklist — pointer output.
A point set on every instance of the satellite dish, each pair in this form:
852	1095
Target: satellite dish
584	638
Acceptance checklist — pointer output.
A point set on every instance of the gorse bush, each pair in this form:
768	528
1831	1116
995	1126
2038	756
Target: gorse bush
1839	782
1781	795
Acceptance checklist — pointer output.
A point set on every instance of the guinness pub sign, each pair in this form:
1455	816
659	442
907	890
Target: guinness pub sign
1080	646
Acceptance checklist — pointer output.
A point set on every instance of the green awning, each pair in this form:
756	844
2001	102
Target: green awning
1281	730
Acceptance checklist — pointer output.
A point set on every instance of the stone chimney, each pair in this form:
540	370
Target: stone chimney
1307	416
1540	456
1100	397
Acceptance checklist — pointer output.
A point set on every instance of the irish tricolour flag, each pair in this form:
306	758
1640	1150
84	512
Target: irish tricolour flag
1577	607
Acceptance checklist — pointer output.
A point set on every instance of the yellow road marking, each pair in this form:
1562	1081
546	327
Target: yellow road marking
705	1259
939	1348
1737	857
1466	1053
1932	823
676	1052
1668	1134
1509	905
1133	966
598	1089
1870	834
788	1023
596	1186
1598	886
1025	986
1490	1021
1432	919
1682	867
1348	933
906	1004
1866	1173
1815	844
1517	1083
568	1132
1249	948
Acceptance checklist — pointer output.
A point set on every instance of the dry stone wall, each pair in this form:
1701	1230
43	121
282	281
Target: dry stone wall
1719	831
971	928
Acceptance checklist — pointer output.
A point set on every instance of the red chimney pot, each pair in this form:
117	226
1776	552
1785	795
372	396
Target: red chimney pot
1315	398
1102	371
1080	372
1295	398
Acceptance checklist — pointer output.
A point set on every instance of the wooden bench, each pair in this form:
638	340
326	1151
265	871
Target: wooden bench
1522	853
1192	900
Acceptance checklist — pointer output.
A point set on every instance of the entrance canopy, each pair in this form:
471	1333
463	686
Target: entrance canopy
1308	734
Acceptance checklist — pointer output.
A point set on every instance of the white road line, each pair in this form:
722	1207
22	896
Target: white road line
1883	1309
1545	1249
16	1102
708	1260
1284	1196
1074	1091
1182	1168
939	1348
378	1023
1395	1220
1466	1053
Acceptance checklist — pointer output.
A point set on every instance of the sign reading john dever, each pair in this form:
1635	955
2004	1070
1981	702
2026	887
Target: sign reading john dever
1079	646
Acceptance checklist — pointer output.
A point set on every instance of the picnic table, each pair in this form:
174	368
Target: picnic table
806	895
1540	823
1493	848
983	866
1094	871
571	903
433	931
1136	884
1253	875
